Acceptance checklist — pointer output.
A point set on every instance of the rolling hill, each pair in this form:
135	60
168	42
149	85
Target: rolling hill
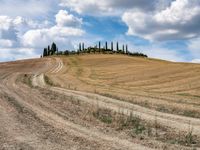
99	101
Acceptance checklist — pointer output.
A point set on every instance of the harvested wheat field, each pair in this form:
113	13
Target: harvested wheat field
99	102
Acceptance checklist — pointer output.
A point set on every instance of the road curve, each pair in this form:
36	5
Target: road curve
181	123
30	120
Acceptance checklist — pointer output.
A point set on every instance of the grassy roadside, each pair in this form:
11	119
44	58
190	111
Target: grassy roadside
135	127
157	107
131	125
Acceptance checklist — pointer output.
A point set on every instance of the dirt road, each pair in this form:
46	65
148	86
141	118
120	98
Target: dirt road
28	121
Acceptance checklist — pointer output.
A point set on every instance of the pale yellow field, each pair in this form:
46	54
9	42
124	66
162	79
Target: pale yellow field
100	102
164	86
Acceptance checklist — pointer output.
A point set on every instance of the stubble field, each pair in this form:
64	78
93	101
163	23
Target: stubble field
99	102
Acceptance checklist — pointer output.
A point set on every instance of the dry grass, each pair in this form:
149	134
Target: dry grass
130	125
160	85
135	127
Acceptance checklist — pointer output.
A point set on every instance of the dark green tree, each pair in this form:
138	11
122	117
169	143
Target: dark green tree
99	45
117	46
112	46
83	46
66	52
53	48
126	49
48	49
80	47
45	53
57	50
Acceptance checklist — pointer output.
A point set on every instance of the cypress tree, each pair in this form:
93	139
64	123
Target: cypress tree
99	45
49	49
80	47
83	46
45	53
112	46
53	48
123	49
117	46
126	49
106	46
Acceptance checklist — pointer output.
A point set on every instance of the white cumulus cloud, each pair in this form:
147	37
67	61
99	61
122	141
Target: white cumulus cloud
178	21
107	7
11	54
42	37
27	8
5	43
67	27
63	18
19	35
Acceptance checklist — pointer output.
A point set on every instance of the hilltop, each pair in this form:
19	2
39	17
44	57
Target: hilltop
53	50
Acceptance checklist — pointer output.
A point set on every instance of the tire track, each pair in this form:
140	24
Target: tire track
57	67
180	123
29	107
174	121
75	129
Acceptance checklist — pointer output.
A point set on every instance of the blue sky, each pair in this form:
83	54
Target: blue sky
165	29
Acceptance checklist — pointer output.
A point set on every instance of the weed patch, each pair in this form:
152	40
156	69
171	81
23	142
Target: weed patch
134	126
48	80
26	79
104	115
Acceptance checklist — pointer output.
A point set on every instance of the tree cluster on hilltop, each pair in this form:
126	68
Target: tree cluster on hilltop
53	50
50	50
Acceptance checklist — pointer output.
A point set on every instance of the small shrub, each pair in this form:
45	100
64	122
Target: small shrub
132	122
104	115
75	101
27	80
189	137
47	80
